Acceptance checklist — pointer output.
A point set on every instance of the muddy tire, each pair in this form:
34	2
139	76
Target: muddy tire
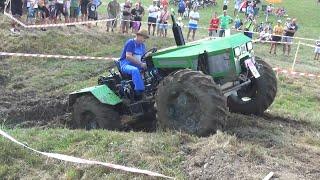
191	102
90	113
258	96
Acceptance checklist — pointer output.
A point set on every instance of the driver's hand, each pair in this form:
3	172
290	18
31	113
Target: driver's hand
143	65
148	54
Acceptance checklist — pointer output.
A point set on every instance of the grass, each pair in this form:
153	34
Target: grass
285	140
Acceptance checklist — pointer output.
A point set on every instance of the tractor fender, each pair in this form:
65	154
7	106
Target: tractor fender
102	92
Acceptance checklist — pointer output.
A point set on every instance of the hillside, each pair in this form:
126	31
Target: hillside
34	109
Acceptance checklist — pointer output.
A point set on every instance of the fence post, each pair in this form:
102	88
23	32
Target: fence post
295	57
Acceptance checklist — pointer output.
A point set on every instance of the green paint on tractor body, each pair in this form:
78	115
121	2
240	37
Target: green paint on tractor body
187	56
102	92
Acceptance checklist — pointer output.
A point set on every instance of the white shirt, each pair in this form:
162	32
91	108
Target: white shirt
60	1
225	2
153	11
194	15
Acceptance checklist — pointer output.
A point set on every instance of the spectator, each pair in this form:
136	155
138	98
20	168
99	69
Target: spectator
84	9
141	7
152	17
74	10
181	7
264	35
187	11
250	9
256	7
276	37
225	5
237	23
269	11
126	14
194	17
59	10
158	20
164	17
249	26
164	3
224	20
44	12
66	8
287	23
280	12
237	4
214	25
113	10
52	11
31	15
16	11
136	14
290	30
317	50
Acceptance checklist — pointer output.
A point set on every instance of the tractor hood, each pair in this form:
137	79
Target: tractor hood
180	55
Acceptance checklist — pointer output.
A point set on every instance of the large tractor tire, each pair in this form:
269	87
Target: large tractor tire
90	113
191	102
258	96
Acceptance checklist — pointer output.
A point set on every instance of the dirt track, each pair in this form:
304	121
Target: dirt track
27	109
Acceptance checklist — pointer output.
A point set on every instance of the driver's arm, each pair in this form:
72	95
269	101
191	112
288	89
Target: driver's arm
132	59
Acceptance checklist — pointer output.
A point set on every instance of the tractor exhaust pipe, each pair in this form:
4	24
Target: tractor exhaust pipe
177	32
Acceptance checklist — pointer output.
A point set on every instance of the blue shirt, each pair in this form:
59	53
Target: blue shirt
133	47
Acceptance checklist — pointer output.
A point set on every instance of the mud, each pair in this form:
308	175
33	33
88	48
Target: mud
29	109
252	147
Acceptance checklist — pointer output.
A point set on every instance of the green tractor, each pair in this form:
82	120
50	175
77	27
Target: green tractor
190	88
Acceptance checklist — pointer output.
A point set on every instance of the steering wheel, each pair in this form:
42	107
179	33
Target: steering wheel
152	50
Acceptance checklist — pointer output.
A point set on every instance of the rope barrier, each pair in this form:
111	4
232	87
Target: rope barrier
85	161
108	19
277	69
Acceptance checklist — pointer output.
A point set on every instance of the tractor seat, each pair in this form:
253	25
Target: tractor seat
123	75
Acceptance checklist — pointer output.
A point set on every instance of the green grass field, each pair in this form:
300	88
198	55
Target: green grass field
285	140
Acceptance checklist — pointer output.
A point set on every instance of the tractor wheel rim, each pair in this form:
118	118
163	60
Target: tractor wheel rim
181	109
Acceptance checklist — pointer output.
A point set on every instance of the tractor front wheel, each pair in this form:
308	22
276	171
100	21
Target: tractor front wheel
191	102
90	113
258	96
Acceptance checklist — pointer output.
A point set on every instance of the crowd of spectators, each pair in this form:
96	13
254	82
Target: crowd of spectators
131	14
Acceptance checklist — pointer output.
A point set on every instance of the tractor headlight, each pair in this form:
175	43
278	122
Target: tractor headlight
249	46
237	51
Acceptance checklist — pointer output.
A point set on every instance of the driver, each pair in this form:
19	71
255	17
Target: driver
130	60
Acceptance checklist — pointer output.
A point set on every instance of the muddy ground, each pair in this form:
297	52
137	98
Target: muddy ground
29	108
250	149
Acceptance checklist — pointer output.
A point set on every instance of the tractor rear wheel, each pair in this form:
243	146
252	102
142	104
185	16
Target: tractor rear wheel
191	102
90	113
258	96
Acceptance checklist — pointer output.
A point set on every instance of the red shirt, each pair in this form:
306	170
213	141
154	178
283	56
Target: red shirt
214	24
